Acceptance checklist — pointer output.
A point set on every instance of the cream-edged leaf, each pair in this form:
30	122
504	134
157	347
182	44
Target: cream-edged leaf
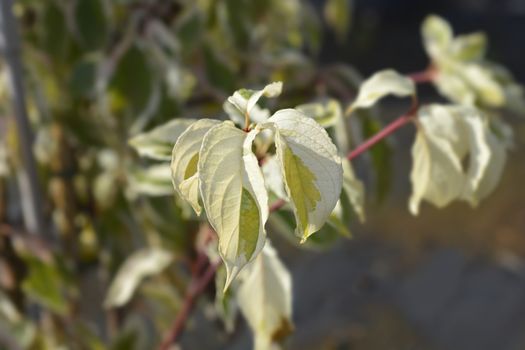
265	299
143	263
381	84
469	47
312	170
437	36
158	142
184	161
354	189
245	99
326	113
492	173
154	180
234	195
436	172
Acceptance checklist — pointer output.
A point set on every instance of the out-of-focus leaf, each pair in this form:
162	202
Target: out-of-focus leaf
158	143
265	298
326	113
381	155
354	189
139	265
55	32
381	84
152	181
83	78
132	82
91	23
338	14
225	302
45	285
218	72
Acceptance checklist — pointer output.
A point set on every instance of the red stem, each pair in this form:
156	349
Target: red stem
425	76
387	130
197	286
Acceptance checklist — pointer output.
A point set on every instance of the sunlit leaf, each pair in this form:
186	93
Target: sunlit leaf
45	285
312	169
233	194
184	161
381	84
244	100
139	265
158	143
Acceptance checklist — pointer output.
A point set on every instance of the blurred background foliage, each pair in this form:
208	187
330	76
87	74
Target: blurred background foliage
98	72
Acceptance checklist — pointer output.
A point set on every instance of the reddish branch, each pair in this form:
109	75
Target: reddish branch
199	282
197	286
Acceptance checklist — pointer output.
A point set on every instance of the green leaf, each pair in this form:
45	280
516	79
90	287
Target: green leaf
381	156
158	143
45	285
139	265
312	169
265	298
338	15
233	194
91	23
185	159
381	84
469	47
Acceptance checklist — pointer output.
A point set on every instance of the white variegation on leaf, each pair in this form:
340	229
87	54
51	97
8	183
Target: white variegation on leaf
245	99
257	114
154	180
265	299
354	189
436	173
464	132
464	75
158	142
143	263
312	170
233	194
184	161
381	84
326	113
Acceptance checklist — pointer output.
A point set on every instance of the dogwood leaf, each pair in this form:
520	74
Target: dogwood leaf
354	189
245	99
436	172
143	263
381	84
184	161
233	194
265	298
158	142
312	169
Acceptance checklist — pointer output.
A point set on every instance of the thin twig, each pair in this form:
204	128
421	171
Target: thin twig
196	288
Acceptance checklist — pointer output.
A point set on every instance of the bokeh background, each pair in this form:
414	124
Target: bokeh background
97	72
